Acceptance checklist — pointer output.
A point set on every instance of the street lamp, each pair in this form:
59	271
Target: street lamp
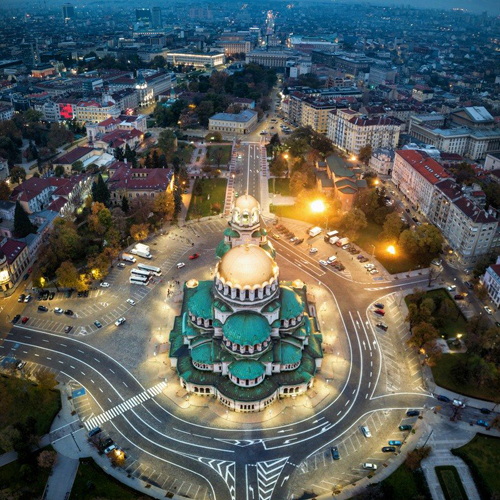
318	206
391	249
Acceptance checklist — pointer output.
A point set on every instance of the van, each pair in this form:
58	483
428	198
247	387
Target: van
314	231
330	234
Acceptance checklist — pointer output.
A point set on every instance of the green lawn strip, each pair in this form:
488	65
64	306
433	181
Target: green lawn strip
30	483
294	212
482	455
226	154
279	185
184	152
450	482
404	483
92	482
202	206
22	399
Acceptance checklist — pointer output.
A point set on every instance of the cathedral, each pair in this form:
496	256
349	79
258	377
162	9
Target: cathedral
246	337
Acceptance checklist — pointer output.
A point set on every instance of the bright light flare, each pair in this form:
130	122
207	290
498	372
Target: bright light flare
318	206
353	158
391	249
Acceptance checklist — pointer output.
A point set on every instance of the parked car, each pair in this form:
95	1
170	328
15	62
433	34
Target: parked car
486	308
444	399
131	302
482	423
458	403
43	309
451	288
52	295
379	312
27	298
313	250
405	427
104	284
16	318
395	442
94	431
109	449
180	265
458	297
120	321
323	262
121	265
25	320
332	259
485	411
194	256
68	329
369	466
388	449
107	442
412	413
469	285
379	305
366	431
335	453
98	324
58	310
299	241
69	312
382	326
20	364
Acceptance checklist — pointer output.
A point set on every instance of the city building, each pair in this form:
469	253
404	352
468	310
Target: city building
4	169
246	337
473	117
234	123
235	47
197	59
415	174
14	260
94	111
492	161
350	131
6	111
382	160
491	280
156	19
125	181
273	58
143	16
310	111
43	71
122	122
67	160
422	93
68	11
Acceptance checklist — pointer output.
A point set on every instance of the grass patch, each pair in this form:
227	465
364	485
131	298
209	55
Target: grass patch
20	399
404	483
443	377
224	152
213	194
450	482
296	212
399	263
279	185
92	482
482	455
30	483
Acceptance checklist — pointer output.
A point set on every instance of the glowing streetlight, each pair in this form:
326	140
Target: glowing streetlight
286	156
318	206
376	182
353	158
391	249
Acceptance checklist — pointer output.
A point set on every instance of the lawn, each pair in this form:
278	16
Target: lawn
279	185
296	212
30	484
450	482
404	483
213	193
399	263
21	399
92	482
482	455
442	373
225	154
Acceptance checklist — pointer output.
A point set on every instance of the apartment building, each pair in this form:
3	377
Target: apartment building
14	259
470	231
310	111
95	112
491	280
6	112
382	160
350	131
231	47
415	174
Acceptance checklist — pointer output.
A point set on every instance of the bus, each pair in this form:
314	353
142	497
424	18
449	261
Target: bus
140	272
152	269
138	280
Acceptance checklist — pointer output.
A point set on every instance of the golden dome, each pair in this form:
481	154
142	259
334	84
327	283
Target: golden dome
246	202
247	266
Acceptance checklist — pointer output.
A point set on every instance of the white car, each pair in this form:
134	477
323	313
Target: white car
120	321
180	265
369	266
366	432
373	271
451	288
131	302
105	284
27	298
345	247
313	250
323	262
58	310
293	239
331	259
369	466
488	310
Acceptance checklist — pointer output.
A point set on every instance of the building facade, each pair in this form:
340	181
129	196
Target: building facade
234	123
246	337
198	60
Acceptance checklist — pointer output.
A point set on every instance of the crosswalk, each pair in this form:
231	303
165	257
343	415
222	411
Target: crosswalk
268	474
114	412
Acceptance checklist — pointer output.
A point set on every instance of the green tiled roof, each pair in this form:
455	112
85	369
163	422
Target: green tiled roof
222	249
339	167
247	370
186	370
257	234
290	354
272	306
314	346
222	306
187	328
268	247
202	353
231	233
200	304
246	328
291	304
267	387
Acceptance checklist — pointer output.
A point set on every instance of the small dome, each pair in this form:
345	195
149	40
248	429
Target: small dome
247	370
246	202
246	328
247	266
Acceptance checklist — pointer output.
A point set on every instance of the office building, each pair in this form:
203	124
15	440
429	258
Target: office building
156	19
143	16
68	11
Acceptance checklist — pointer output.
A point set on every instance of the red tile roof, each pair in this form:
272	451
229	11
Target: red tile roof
72	156
12	249
57	204
154	179
426	166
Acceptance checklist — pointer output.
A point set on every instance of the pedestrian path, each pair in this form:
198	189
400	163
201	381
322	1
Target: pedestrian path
108	415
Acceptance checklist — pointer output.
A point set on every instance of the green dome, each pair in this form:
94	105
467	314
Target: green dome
222	249
291	304
200	304
231	233
256	234
246	328
202	353
290	354
247	369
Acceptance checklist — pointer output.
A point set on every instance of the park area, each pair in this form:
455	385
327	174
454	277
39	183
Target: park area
405	483
208	198
219	155
279	185
450	482
482	455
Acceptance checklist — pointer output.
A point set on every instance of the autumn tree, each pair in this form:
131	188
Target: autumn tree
353	222
99	220
278	166
17	174
164	205
365	153
422	334
415	457
67	275
46	459
298	182
139	231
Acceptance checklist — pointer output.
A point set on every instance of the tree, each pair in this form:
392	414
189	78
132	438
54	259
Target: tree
5	190
67	275
278	166
368	201
125	205
139	231
415	457
392	227
8	437
99	220
59	171
77	166
365	153
204	111
46	459
213	137
148	161
155	159
46	380
353	222
422	334
164	205
167	141
58	136
423	242
17	174
22	223
298	182
101	192
118	154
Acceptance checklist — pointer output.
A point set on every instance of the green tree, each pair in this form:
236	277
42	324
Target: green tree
100	193
125	205
365	153
17	174
77	166
392	227
213	137
368	201
164	205
422	334
353	222
118	154
59	170
167	141
155	159
278	166
423	242
298	182
22	223
148	161
204	111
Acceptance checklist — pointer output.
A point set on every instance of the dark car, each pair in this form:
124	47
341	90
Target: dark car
94	432
485	411
412	413
445	399
405	427
379	305
299	241
52	295
382	326
43	309
468	284
86	293
68	329
16	318
335	453
107	443
69	312
80	294
458	297
388	449
98	324
46	295
26	276
21	298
